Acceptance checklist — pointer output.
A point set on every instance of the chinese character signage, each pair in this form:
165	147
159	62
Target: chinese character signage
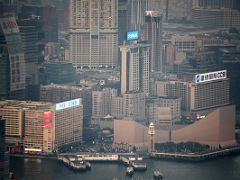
67	104
199	78
132	35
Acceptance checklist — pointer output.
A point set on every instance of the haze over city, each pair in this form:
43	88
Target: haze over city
149	88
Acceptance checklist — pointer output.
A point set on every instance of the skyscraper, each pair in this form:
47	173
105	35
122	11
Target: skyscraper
12	61
153	33
93	33
136	12
135	60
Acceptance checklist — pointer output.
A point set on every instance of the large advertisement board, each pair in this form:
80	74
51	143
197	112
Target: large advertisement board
9	25
67	104
132	35
212	76
47	116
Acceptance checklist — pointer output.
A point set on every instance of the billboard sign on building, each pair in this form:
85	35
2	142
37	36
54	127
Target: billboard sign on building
132	35
67	104
47	116
206	77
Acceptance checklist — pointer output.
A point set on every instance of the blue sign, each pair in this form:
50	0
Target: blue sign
132	35
67	104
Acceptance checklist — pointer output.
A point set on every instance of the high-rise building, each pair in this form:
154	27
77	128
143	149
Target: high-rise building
134	105
135	59
93	33
136	14
44	126
209	90
29	29
2	147
12	61
153	34
101	102
59	93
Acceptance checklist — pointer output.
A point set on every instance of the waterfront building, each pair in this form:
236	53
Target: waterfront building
93	33
209	92
45	126
153	35
12	61
14	122
56	93
135	62
217	129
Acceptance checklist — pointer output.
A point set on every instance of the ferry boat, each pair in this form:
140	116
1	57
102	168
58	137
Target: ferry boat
157	174
139	165
129	171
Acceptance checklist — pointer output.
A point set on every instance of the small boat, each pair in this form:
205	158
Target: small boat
88	165
139	165
130	170
157	174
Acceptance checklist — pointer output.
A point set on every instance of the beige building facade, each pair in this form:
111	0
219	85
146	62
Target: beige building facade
217	128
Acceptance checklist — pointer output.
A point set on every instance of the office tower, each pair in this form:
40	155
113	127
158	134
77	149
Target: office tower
137	9
47	16
29	29
93	33
12	61
134	105
153	34
198	62
101	102
209	90
135	59
58	93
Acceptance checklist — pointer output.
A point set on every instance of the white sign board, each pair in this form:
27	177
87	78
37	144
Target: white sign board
200	78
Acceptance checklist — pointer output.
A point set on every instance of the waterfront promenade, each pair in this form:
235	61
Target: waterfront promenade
196	156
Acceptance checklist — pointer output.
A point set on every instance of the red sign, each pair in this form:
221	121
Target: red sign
47	116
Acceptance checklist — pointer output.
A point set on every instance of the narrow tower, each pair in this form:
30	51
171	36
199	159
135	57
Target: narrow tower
151	133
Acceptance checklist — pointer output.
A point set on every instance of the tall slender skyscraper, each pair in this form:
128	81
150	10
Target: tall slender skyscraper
136	11
135	68
93	33
153	34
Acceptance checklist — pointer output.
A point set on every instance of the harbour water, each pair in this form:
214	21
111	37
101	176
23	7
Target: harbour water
49	169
